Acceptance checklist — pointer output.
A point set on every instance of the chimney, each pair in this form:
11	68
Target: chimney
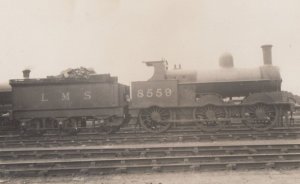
26	73
267	54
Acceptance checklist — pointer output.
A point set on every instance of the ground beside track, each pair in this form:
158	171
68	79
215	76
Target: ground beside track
264	176
220	177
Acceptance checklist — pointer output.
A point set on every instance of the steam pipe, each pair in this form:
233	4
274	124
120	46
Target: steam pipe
26	73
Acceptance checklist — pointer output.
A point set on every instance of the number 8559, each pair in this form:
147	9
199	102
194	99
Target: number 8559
159	92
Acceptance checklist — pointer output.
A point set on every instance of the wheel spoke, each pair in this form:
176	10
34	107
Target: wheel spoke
209	118
260	117
152	119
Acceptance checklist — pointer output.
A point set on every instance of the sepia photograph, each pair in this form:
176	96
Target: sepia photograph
149	91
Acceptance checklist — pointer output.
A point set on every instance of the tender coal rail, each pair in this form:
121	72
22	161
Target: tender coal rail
147	159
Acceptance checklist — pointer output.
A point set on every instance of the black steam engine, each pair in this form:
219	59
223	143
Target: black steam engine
209	99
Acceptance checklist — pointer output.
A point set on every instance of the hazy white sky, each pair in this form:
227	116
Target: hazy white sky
114	36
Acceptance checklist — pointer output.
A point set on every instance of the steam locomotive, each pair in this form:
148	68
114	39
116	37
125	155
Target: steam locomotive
209	99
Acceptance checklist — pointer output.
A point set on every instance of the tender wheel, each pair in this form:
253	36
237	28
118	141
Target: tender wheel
110	129
260	116
109	125
34	127
211	118
71	126
5	123
51	123
155	119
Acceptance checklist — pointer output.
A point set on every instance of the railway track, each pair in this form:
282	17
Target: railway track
133	131
132	137
155	158
235	126
131	151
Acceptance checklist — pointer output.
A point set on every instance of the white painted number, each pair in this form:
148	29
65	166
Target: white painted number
140	93
157	93
168	92
149	93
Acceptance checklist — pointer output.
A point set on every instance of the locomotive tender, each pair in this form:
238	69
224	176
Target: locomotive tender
5	106
211	99
70	104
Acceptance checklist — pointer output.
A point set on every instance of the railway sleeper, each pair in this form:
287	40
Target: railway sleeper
149	153
239	165
152	161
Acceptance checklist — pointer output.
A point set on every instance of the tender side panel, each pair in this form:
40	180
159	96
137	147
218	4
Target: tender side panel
70	96
118	111
5	98
154	93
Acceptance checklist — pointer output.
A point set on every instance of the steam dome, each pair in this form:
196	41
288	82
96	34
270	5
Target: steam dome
226	60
